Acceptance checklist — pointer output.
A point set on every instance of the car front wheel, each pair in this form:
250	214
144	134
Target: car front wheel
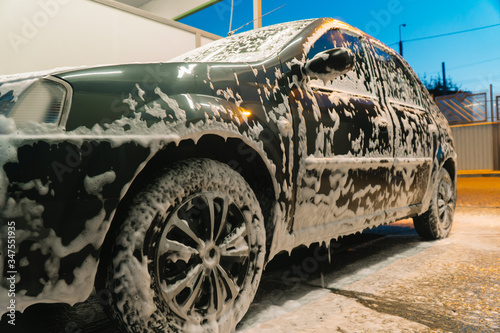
190	252
436	222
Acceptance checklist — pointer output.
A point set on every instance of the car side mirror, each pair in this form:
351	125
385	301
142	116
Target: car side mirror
330	64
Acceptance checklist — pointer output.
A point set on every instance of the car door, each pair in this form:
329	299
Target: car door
414	128
344	143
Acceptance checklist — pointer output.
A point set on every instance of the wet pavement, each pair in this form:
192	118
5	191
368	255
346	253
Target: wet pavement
386	280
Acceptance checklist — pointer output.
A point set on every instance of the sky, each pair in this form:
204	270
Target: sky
472	59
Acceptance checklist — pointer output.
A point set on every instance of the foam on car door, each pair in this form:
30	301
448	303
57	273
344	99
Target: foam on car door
414	130
344	171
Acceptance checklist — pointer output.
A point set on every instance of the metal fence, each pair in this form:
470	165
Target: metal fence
476	128
463	108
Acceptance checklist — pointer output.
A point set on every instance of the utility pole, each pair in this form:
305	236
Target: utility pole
400	41
257	14
491	103
496	134
444	78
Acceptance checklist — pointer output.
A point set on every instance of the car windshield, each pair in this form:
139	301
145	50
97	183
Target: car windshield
248	46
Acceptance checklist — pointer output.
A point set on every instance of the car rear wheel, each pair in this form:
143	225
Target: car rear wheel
190	253
437	221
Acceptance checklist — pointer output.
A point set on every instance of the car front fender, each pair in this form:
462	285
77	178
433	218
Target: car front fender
62	189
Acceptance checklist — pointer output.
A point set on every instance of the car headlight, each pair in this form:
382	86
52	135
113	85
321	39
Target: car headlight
47	100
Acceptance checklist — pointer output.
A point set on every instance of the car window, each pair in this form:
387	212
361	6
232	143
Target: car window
359	79
400	85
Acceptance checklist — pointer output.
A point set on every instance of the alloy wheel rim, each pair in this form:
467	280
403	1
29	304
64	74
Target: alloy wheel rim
445	204
203	256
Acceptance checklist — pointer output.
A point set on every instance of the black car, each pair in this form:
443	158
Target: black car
168	186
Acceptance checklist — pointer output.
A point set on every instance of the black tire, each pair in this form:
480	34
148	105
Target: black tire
190	253
436	222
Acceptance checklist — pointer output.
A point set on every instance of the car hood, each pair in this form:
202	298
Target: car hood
107	93
110	92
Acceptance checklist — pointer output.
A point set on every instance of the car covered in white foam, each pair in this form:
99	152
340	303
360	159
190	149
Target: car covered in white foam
168	186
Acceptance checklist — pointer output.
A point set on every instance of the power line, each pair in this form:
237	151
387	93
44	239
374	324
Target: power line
438	74
474	63
492	78
244	25
452	33
447	34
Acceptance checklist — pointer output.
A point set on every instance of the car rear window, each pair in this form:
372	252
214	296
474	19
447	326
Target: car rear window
401	86
250	46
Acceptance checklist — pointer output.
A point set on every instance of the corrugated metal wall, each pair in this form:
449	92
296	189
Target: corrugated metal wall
475	146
